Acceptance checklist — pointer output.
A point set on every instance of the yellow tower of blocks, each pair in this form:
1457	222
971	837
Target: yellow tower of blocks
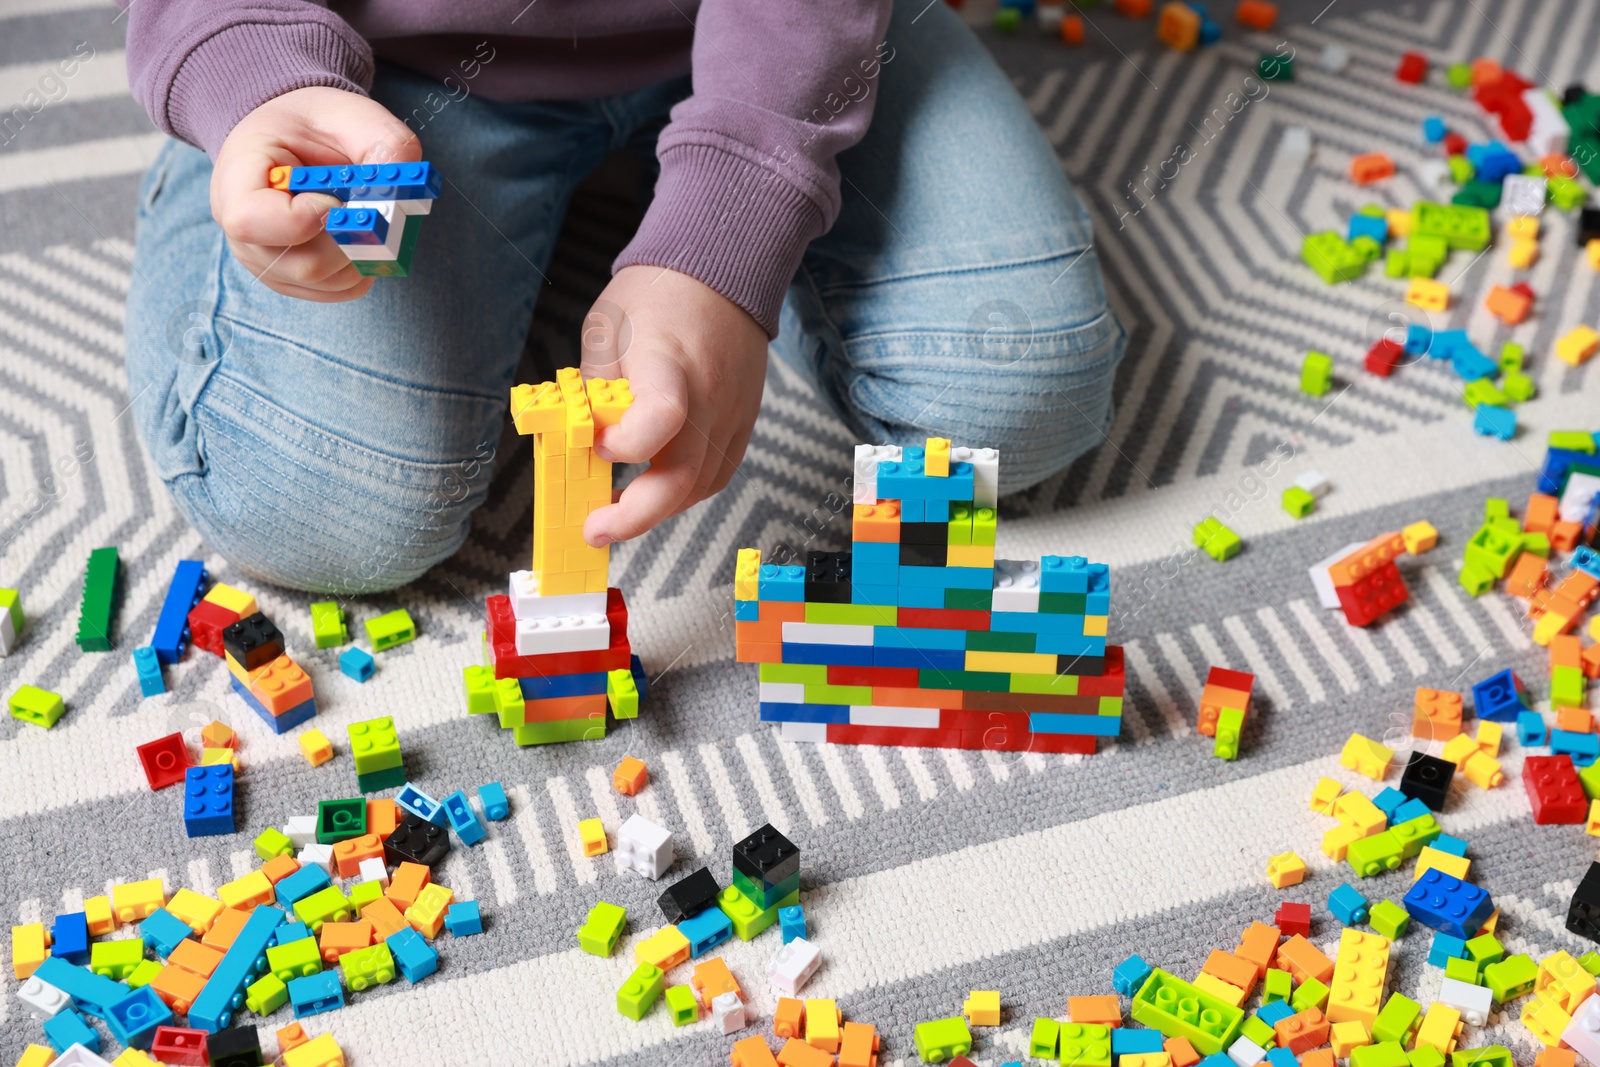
569	480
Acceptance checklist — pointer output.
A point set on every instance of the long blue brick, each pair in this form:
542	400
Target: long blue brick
172	626
832	655
301	884
902	485
92	992
923	659
565	685
213	1008
914	637
386	181
1036	622
772	711
865	554
786	585
1069	645
884	595
1557	462
947	577
1096	725
910	596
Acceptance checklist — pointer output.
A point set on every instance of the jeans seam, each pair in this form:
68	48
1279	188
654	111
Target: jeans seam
1059	332
975	268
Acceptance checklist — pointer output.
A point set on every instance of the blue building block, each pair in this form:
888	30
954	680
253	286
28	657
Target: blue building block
792	922
641	681
873	594
1419	339
1373	226
288	933
421	805
1064	574
1433	129
1348	905
706	931
301	884
1490	421
133	1019
1129	975
91	992
831	655
591	683
1126	1041
463	820
1281	1057
1471	364
223	994
914	637
770	711
208	800
384	181
1388	801
922	659
785	584
947	577
746	611
315	993
278	724
356	663
1586	560
1274	1013
163	931
864	554
1583	748
1531	730
492	795
464	918
172	625
1446	948
1448	904
1050	722
67	1028
1499	698
1557	463
69	937
913	511
1453	845
1492	161
1411	809
1217	1059
148	666
357	226
415	957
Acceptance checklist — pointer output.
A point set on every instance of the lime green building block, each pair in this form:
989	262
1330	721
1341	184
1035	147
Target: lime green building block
363	893
1590	961
1380	1054
1511	977
391	629
1258	1030
1397	1020
1463	971
479	683
374	745
1485	949
1461	169
681	1005
985	524
1425	1056
1279	985
1483	391
548	733
1511	357
1589	778
939	1040
1460	226
1298	502
1311	994
1045	1039
1178	1009
1567	687
271	843
116	959
266	994
11	603
1316	373
1389	919
640	992
1458	76
1567	440
1216	540
959	530
1566	193
143	974
99	597
367	967
1484	1056
602	928
749	920
1332	257
327	624
1475	579
324	906
793	673
38	706
1230	724
297	959
622	692
1058	684
852	614
1518	387
1085	1045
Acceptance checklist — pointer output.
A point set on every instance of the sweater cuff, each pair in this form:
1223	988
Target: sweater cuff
736	226
243	65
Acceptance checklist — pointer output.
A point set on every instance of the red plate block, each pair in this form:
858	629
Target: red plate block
942	619
885	677
165	760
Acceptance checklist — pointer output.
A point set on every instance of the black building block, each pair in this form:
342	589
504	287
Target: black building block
1427	778
766	856
689	897
418	841
253	642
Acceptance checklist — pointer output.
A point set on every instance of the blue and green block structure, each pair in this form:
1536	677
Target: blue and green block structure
918	635
378	224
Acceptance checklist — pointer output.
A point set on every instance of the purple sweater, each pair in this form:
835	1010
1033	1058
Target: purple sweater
748	172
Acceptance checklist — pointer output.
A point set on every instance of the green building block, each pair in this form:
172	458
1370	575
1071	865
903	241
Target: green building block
99	595
1381	1054
1461	226
1397	263
327	624
376	781
297	959
340	820
1511	357
1426	253
1258	1030
749	920
970	599
1485	949
1279	985
38	706
1045	1039
1475	579
1389	919
546	733
1272	67
1566	193
266	994
1216	540
939	1040
1463	971
400	265
1458	76
328	905
271	843
1478	193
1486	1056
144	973
1590	961
985	524
1461	169
1536	544
1589	778
374	745
116	959
479	683
388	630
367	967
1316	373
1425	1056
1298	502
1085	1045
602	929
1511	977
793	673
1311	994
1230	724
1397	1020
509	703
1367	248
1387	850
1483	391
1567	440
851	614
681	1005
1518	387
622	693
363	893
1567	687
1178	1009
640	992
959	530
1332	257
1007	20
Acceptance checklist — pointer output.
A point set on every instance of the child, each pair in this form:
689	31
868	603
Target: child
858	187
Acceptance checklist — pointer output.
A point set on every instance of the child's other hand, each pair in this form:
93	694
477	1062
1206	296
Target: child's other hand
696	362
277	237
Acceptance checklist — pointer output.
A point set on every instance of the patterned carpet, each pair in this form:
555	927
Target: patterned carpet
925	873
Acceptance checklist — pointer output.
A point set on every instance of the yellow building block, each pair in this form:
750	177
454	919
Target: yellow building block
42	1056
315	747
97	910
592	835
1543	1017
1336	842
1400	221
133	901
1286	869
580	418
254	888
936	458
969	555
1489	737
1439	1029
1419	537
537	409
1359	973
1366	757
1591	826
982	1007
132	1057
1348	1036
1095	625
426	914
1591	250
1011	662
235	600
218	757
196	910
608	399
1563	978
1357	811
1577	345
1432	859
1522	252
823	1019
320	1051
1146	1059
666	948
1223	991
30	945
1429	295
1523	227
746	574
1474	764
1324	794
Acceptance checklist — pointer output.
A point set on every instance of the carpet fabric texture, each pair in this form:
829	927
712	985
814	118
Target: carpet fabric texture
925	873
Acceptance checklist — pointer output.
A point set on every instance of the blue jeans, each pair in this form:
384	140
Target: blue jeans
343	447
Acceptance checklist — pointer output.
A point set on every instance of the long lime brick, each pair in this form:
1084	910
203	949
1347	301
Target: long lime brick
977	681
838	694
99	593
545	733
998	641
853	614
1061	685
799	673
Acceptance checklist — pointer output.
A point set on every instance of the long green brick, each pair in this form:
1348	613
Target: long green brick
976	681
99	592
995	641
970	599
799	673
1064	603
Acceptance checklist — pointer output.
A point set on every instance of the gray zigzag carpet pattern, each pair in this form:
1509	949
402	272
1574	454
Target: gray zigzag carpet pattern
926	873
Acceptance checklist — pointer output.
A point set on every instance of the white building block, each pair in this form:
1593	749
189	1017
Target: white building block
1578	496
1474	1002
321	855
526	603
827	633
1549	132
1583	1032
8	633
727	1011
374	870
78	1056
301	830
1050	16
643	847
814	733
864	485
985	473
44	1000
1334	58
563	633
1016	585
1296	144
1434	176
389	251
1314	482
1522	194
781	693
1246	1053
793	966
876	715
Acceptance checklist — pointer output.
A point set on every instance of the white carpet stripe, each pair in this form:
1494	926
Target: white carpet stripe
957	762
456	875
647	805
999	765
878	774
773	808
917	769
583	867
1395	631
1246	642
1289	648
1428	623
103	158
1323	642
1375	661
526	821
243	861
1150	680
1453	599
500	876
112	269
839	777
692	818
1499	610
804	785
604	797
200	877
728	801
34	271
1211	655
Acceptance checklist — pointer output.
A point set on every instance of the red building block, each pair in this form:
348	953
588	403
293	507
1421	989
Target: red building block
174	1044
1367	581
1413	68
1384	357
1453	144
1293	919
164	760
206	623
1554	790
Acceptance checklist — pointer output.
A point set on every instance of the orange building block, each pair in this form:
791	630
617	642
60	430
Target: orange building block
1564	536
1566	650
349	853
1102	1010
860	1046
1178	26
1371	167
406	883
1574	720
279	867
630	776
1508	305
1485	71
787	1020
1591	662
1181	1051
195	958
1436	715
281	685
385	918
1318	1057
1541	513
1259	945
177	987
796	1053
711	979
1258	15
1304	960
1558	163
1551	1056
1527	576
339	938
1214	698
218	735
382	817
1072	29
1237	972
1303	1031
225	929
768	630
1134	9
751	1052
291	1036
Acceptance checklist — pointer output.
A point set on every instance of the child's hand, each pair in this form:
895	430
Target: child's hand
696	362
278	238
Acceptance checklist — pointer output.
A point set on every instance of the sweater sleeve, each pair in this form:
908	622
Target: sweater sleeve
748	162
199	66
